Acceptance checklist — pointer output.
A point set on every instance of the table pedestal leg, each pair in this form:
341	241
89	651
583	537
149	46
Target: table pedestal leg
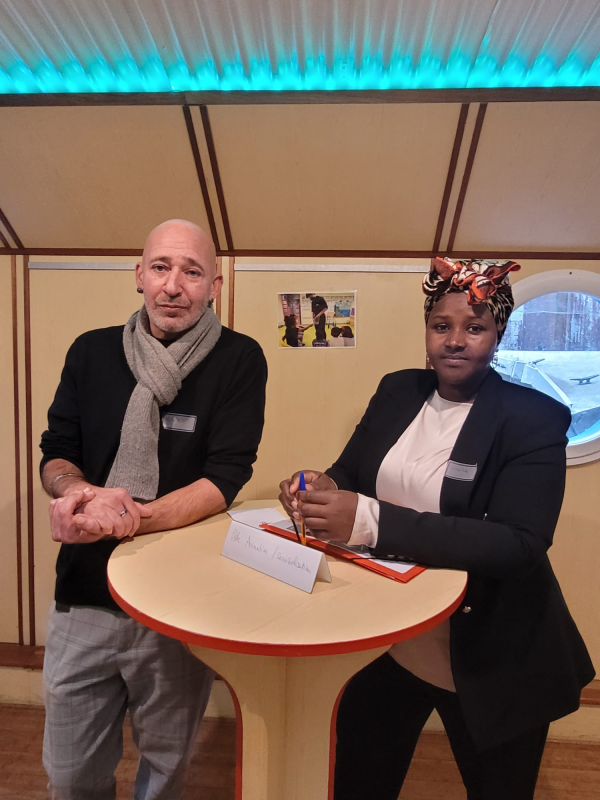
286	707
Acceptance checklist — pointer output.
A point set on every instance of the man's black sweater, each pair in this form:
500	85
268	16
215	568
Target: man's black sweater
226	394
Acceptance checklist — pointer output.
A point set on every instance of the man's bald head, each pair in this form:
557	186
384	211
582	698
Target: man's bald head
181	231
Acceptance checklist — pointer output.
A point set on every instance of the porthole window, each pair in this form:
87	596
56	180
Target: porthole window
552	343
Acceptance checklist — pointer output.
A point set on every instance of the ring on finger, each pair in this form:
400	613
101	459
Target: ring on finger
122	513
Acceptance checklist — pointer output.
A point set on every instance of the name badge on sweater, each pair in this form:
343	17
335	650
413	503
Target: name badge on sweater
179	422
460	472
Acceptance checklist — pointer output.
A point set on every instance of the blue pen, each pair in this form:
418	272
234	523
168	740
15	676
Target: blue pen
302	482
302	488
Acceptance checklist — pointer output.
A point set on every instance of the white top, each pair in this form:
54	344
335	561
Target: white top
411	475
336	341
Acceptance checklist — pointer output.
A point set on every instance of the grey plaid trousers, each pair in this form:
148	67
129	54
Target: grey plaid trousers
98	664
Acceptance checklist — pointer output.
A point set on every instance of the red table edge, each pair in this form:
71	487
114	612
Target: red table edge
283	650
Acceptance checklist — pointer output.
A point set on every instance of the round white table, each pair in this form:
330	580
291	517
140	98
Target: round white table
285	654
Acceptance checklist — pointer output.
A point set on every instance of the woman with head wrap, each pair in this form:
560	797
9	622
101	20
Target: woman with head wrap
453	467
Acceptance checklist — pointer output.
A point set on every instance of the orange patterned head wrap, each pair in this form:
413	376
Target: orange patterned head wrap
483	281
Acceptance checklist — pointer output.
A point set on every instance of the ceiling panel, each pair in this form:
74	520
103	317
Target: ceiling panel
95	177
157	45
535	183
328	177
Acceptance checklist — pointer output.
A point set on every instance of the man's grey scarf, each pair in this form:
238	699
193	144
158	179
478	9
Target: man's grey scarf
159	371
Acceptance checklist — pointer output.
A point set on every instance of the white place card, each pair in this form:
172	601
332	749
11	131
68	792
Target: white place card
272	555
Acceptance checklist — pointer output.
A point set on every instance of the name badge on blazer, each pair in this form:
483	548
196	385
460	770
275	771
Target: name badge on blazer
460	472
179	422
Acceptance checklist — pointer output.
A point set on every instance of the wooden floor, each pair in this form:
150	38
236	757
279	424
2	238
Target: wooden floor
569	771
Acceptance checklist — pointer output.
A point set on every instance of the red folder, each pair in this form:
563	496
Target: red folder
338	552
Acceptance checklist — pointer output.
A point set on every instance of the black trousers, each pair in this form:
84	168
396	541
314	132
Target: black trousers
320	324
381	715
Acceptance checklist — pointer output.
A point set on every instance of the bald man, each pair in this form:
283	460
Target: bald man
154	425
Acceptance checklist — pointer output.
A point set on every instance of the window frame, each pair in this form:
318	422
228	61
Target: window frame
563	280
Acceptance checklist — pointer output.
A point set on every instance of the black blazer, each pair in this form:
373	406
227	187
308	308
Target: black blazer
518	660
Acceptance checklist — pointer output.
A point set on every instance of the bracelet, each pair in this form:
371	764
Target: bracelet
64	475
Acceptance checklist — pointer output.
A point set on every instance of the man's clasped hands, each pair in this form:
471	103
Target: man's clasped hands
90	513
328	512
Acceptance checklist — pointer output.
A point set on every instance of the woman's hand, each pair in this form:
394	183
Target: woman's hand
329	515
315	481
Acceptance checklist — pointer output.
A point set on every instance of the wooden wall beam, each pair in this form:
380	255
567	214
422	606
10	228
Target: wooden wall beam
212	154
231	298
10	229
467	175
21	656
17	445
29	443
189	122
460	129
219	299
368	96
590	695
70	251
550	255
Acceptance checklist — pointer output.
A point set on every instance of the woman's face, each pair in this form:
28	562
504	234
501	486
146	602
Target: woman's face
460	340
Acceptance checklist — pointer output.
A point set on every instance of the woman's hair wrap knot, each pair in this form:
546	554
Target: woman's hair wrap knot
483	281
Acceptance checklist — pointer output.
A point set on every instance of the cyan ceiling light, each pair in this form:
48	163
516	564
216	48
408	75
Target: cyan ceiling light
430	73
81	46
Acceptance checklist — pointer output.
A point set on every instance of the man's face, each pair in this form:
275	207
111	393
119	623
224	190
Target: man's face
177	274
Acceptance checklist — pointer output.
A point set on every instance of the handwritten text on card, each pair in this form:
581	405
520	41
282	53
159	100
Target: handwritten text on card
279	558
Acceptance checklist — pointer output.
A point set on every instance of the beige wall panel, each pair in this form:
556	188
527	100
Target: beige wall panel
21	686
535	182
575	554
316	397
530	267
330	177
9	630
95	177
64	304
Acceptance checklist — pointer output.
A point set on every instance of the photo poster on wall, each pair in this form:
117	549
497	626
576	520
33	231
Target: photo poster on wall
316	319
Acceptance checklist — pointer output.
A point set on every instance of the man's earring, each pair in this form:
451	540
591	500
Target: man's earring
495	360
140	291
428	359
